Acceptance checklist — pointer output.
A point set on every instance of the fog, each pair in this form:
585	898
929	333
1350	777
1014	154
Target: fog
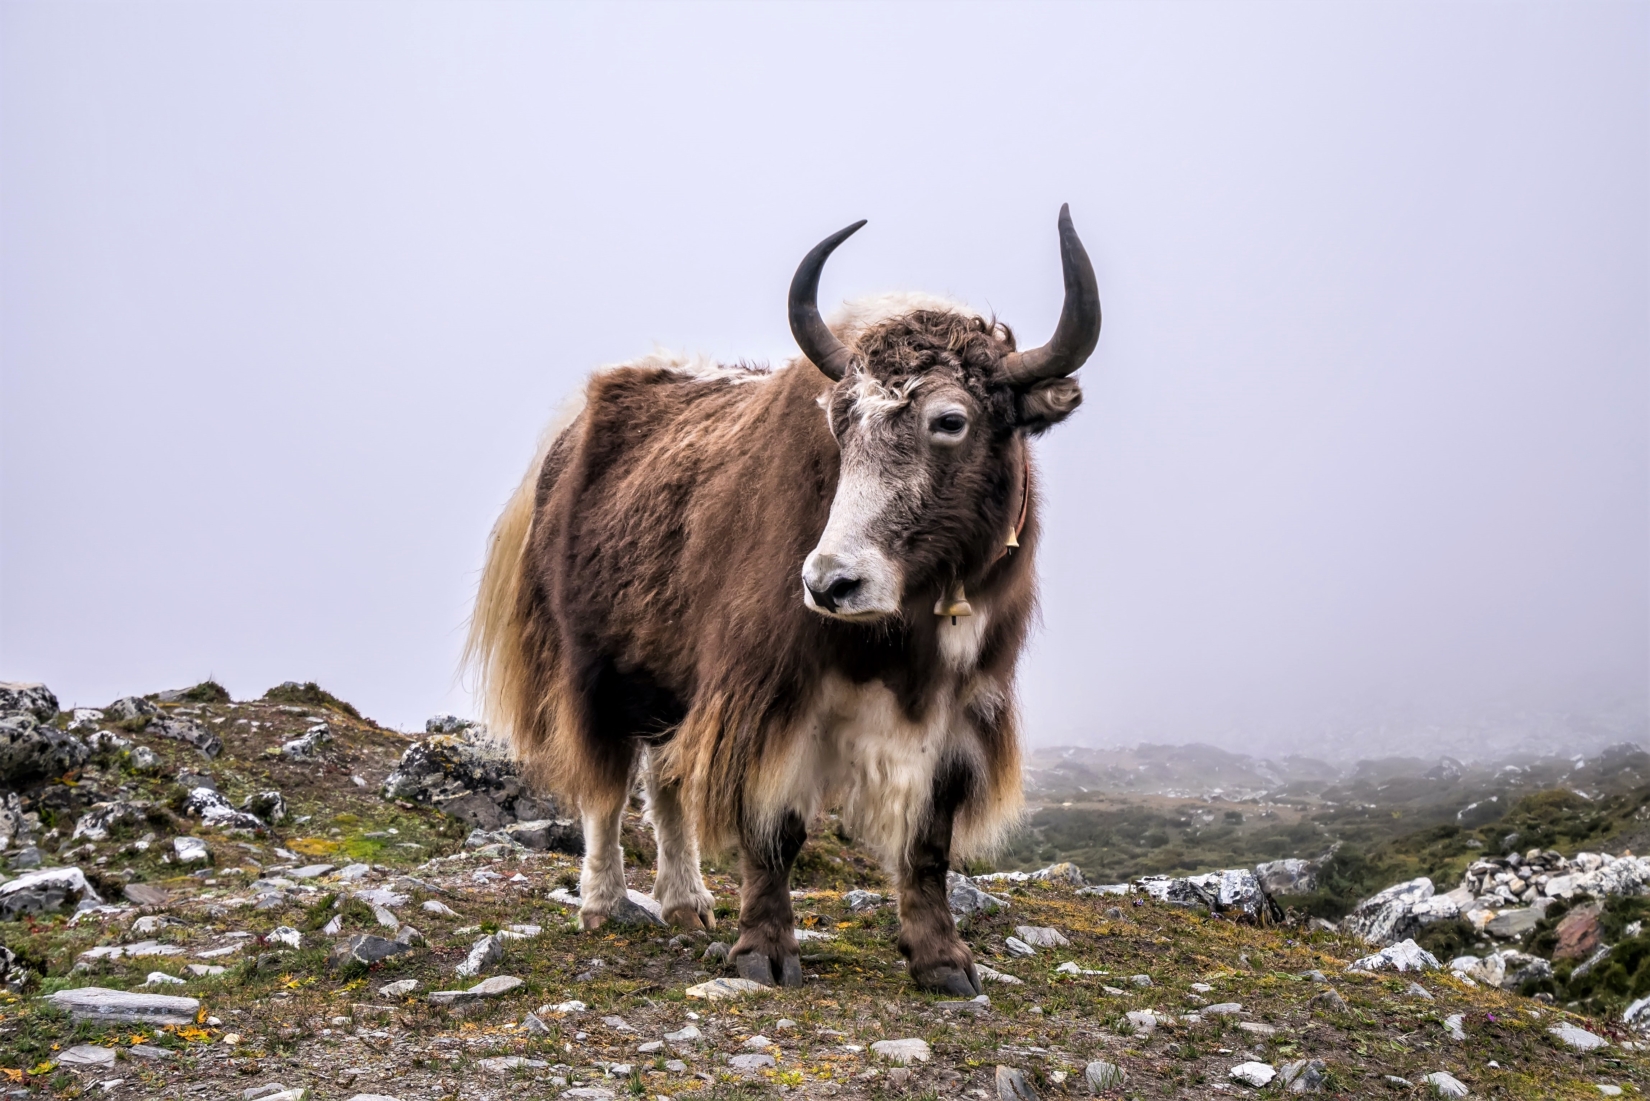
287	292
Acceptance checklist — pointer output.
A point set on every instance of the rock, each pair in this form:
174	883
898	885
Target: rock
687	1035
589	1093
98	1003
1454	1025
1144	1021
508	1064
484	953
398	989
188	732
1577	1037
161	978
308	745
1510	970
1235	892
991	974
267	805
130	707
144	759
1305	1076
1018	947
470	776
1509	924
1578	932
365	949
1222	1009
88	1055
373	1097
488	988
1102	1076
34	700
1291	876
1252	1074
1406	955
431	906
1012	1086
1041	936
1445	1084
30	750
190	850
751	1062
101	818
1330	999
285	934
101	743
1141	980
755	1043
1386	916
214	810
149	1053
562	835
715	952
44	892
1064	872
904	1052
1416	990
1070	967
311	871
202	970
965	898
717	989
860	901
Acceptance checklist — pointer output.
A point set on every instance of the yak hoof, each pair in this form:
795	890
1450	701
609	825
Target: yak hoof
591	922
953	980
685	917
756	967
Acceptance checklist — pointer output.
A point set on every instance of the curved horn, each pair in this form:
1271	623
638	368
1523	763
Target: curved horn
815	339
1079	328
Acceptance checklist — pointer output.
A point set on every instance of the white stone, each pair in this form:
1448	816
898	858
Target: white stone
686	1035
433	907
719	988
70	880
161	978
190	850
1454	1025
1143	1020
285	934
756	1043
1018	947
1577	1037
88	1055
751	1062
508	1064
399	989
1041	936
991	974
102	1004
1406	955
1252	1074
1222	1009
1445	1084
903	1051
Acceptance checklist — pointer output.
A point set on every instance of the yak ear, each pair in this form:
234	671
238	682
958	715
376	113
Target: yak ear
1048	403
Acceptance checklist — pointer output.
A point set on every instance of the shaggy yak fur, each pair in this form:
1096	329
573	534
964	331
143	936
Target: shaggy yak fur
641	611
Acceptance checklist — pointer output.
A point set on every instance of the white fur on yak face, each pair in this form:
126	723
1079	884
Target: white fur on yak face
867	485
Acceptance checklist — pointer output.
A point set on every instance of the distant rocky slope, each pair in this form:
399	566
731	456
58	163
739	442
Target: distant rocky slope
279	898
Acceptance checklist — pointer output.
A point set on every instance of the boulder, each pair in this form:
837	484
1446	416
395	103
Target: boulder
1387	916
469	775
363	948
1406	955
1513	923
859	901
561	835
904	1052
44	891
1063	872
965	898
483	954
1288	877
1235	892
98	1003
13	825
307	745
102	818
216	811
181	729
1510	970
37	700
130	707
1102	1076
268	805
32	751
190	850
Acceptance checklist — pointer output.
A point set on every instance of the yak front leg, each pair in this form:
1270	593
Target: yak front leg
601	880
766	950
679	887
936	957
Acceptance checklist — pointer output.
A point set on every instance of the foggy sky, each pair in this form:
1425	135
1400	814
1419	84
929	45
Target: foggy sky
287	292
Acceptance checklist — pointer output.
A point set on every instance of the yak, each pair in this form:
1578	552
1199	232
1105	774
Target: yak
771	592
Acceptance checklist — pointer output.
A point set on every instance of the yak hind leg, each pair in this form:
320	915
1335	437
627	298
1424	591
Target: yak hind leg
766	950
679	886
601	880
936	957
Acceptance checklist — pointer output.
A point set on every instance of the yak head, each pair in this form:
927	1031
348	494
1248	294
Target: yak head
930	409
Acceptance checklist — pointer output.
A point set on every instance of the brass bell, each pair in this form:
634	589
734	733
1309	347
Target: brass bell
954	604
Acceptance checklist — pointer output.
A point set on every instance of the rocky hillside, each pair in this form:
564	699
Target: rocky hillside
280	899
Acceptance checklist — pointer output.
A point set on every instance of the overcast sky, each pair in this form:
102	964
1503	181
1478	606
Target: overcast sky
288	290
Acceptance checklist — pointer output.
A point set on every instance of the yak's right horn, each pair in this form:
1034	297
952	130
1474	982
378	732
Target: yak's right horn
813	336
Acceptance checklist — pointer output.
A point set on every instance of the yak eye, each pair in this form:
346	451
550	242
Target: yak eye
949	423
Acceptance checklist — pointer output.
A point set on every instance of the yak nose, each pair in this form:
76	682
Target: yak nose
830	581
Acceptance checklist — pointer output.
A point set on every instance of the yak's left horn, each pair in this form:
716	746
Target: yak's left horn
1079	328
815	339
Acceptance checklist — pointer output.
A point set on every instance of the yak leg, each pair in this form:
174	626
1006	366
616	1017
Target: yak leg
936	957
601	881
766	949
680	889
